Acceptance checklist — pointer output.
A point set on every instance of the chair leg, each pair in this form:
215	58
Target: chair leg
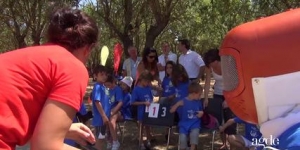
168	141
178	142
213	139
120	130
123	131
140	135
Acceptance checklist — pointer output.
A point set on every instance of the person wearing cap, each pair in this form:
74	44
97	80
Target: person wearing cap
125	84
120	108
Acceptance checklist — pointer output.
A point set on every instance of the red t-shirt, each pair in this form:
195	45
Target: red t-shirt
30	76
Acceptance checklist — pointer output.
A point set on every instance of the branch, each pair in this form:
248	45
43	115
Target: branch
156	9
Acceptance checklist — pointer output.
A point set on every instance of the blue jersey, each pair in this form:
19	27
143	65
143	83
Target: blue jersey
251	130
115	96
168	87
290	139
141	94
125	110
188	115
100	94
181	90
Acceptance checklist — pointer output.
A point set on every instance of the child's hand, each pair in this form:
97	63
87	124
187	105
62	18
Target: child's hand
105	119
147	103
200	114
221	128
113	111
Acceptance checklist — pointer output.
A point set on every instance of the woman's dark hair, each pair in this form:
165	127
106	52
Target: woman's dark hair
178	72
72	29
185	42
173	67
153	65
211	56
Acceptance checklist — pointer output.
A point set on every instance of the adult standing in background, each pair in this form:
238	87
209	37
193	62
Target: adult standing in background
217	106
191	61
149	63
166	56
130	64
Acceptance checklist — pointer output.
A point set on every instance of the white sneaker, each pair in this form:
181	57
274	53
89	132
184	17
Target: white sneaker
115	146
108	145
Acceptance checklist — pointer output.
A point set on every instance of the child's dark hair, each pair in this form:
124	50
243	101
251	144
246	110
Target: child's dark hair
100	69
178	72
173	66
211	56
145	75
195	87
110	78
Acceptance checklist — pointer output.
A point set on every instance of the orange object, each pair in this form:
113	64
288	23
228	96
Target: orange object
266	47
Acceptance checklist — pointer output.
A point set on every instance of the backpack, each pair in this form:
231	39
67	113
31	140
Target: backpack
208	121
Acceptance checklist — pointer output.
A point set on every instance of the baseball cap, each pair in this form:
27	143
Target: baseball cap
127	80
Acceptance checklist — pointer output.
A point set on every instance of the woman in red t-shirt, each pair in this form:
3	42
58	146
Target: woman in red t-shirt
42	86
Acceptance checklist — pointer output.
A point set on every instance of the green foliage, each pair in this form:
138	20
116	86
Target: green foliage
136	22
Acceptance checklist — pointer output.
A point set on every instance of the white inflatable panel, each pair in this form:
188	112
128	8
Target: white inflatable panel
276	95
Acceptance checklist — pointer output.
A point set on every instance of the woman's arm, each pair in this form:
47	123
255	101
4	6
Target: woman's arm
52	126
139	70
141	103
207	85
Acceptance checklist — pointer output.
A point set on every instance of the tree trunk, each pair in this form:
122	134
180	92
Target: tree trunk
36	39
154	32
21	41
127	41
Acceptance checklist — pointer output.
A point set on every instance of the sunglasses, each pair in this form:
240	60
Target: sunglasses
151	57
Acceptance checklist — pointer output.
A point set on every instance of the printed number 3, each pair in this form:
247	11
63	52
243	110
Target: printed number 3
164	113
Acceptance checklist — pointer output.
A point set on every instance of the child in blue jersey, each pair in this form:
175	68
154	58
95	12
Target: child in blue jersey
182	83
169	90
101	107
116	102
142	97
167	83
247	141
190	114
126	84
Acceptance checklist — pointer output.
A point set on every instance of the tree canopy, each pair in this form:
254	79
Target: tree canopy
142	23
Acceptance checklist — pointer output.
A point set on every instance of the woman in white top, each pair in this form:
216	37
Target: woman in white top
217	105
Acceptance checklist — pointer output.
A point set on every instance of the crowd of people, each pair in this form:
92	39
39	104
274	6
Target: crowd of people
42	89
178	82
